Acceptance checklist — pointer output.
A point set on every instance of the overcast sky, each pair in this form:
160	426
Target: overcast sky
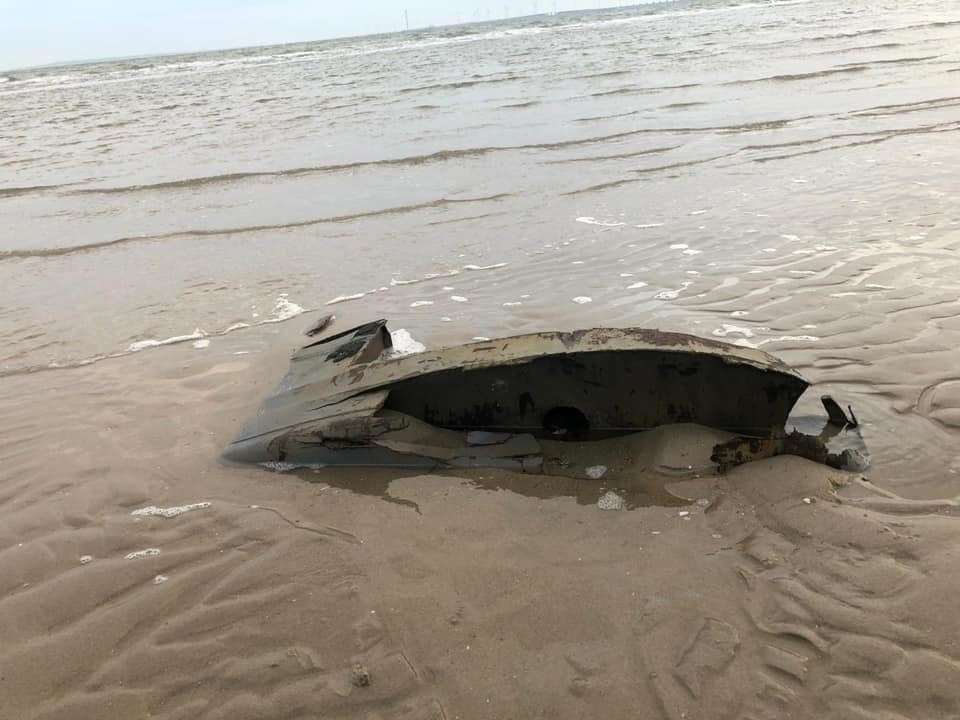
35	32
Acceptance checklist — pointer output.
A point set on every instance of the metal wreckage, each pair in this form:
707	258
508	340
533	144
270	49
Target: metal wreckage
350	400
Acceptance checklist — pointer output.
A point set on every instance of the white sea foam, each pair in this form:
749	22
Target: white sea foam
484	267
345	298
679	246
404	344
586	220
512	304
169	512
197	334
610	501
201	344
458	298
421	303
284	309
647	226
140	554
481	338
637	285
673	294
726	329
446	274
783	338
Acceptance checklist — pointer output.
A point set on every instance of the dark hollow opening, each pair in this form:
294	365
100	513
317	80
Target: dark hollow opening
566	423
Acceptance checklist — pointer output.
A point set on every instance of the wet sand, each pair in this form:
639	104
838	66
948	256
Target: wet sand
781	589
776	175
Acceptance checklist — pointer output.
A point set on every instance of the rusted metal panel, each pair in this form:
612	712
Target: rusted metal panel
614	381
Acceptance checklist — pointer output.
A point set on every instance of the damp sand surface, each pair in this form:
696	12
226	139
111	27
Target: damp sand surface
142	578
779	175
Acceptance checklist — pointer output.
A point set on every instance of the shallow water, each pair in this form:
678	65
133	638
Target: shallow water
776	175
779	175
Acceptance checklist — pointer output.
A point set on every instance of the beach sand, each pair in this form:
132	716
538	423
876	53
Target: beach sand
780	175
783	589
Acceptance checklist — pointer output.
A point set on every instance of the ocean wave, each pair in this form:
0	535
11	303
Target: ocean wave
284	309
856	68
397	210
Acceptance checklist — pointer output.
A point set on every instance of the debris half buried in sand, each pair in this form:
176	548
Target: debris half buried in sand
610	501
84	559
170	512
369	397
140	554
160	579
321	324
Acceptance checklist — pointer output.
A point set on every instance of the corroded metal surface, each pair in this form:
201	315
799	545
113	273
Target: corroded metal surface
613	380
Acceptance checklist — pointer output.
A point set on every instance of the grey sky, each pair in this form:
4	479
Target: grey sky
34	32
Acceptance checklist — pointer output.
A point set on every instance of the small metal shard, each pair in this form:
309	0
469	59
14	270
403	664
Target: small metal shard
835	413
322	323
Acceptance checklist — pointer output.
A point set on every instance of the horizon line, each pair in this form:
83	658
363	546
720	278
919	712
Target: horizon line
260	46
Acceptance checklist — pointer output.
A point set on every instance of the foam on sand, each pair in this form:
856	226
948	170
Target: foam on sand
284	309
345	298
169	512
474	268
404	344
727	329
139	345
140	554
